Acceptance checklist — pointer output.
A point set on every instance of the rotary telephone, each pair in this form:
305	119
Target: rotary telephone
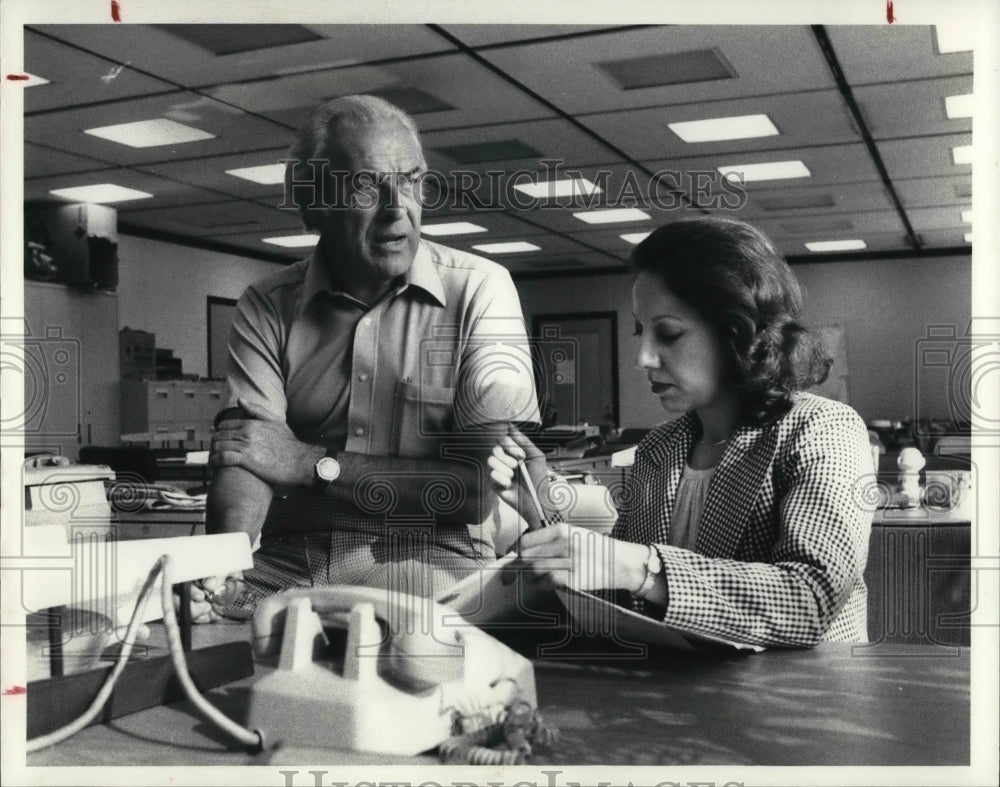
409	666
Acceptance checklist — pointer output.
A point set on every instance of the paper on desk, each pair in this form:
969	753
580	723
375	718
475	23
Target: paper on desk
495	593
596	615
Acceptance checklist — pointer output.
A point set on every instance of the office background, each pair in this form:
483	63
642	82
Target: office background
874	116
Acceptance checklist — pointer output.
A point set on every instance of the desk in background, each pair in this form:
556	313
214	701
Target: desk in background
919	577
838	704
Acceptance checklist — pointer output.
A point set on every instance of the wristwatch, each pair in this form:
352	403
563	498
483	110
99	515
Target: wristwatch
326	471
654	566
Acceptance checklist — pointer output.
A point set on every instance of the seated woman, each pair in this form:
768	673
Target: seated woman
742	518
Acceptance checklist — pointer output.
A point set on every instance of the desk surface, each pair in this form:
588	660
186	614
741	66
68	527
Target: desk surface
835	705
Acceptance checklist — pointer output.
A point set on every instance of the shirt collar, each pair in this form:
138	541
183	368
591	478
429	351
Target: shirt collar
422	273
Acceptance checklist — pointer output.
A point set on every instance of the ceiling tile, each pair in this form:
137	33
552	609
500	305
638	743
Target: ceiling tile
802	119
832	199
215	219
483	35
234	130
210	172
558	140
923	156
828	164
912	109
892	53
840	227
940	218
40	162
289	99
928	192
886	241
77	77
156	51
566	72
165	192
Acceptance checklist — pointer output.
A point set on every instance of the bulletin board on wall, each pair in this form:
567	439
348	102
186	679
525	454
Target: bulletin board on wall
576	366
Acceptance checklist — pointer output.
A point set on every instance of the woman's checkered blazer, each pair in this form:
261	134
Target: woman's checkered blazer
783	540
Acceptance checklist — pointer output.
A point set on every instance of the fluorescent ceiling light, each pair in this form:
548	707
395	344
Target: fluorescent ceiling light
292	241
150	133
635	237
836	245
717	129
452	228
266	174
613	216
967	217
507	248
962	154
568	187
100	193
958	106
968	237
770	170
956	37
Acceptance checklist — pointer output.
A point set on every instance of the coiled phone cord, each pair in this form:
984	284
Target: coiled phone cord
251	738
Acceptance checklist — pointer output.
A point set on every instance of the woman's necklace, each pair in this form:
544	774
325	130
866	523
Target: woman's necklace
717	443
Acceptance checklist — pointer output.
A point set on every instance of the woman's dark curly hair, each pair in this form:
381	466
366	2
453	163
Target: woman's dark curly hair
732	275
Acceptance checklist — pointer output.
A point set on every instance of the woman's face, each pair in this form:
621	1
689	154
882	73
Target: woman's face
685	361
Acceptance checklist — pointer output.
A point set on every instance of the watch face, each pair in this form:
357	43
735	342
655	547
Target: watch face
327	469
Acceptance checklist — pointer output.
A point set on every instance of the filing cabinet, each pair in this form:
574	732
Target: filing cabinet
171	406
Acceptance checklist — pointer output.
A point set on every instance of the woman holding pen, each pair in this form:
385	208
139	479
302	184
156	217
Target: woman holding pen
742	518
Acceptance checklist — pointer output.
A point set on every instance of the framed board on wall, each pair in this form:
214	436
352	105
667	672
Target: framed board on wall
220	317
576	364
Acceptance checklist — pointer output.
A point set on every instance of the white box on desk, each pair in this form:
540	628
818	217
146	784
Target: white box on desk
73	496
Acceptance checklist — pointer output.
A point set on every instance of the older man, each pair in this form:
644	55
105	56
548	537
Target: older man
366	381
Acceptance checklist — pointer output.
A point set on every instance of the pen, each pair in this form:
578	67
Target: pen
534	495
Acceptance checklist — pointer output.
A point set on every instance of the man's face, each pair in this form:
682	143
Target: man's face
371	236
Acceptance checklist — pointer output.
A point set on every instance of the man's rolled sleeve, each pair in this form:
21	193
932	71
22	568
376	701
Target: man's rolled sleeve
496	380
255	370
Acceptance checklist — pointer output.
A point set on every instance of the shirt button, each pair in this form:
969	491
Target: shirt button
367	321
359	431
363	377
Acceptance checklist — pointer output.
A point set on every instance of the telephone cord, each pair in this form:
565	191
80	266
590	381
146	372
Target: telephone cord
251	738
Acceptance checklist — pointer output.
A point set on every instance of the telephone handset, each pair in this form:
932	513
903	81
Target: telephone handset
409	666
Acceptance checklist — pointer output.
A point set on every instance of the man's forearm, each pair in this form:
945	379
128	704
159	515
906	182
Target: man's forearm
237	502
454	491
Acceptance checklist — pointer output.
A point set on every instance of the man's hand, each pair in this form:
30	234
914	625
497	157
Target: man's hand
212	597
264	447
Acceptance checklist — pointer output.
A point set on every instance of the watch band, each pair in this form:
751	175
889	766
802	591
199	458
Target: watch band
654	566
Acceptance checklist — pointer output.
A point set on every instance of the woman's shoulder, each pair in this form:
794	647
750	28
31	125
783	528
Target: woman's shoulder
806	406
660	438
813	414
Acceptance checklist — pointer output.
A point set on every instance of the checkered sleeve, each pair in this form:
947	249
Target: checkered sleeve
818	557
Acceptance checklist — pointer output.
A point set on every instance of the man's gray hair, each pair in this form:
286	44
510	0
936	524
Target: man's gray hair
320	130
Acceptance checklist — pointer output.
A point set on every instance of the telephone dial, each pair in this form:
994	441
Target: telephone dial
409	666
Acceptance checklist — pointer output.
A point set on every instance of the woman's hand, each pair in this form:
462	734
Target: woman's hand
581	559
512	449
211	597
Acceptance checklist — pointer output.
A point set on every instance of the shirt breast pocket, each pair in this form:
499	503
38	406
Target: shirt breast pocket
423	417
